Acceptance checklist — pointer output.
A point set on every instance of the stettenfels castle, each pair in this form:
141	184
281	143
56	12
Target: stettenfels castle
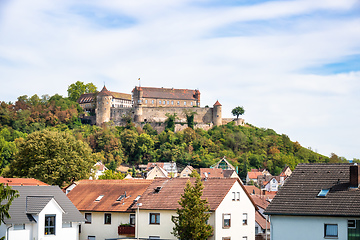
150	105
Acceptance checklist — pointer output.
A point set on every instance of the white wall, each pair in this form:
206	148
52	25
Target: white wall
236	209
100	230
163	230
300	228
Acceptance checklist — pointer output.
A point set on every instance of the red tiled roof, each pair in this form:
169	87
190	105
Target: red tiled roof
261	200
168	93
22	182
217	103
84	194
251	189
254	175
211	172
215	189
151	165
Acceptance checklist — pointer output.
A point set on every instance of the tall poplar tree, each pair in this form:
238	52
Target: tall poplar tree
191	222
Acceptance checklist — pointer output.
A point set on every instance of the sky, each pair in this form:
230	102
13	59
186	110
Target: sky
293	65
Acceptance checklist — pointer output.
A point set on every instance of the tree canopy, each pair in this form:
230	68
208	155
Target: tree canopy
76	89
191	220
238	111
7	195
52	157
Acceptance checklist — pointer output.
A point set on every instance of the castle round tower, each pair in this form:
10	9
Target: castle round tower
103	106
217	114
197	97
138	111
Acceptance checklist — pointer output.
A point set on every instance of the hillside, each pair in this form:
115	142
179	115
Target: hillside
245	146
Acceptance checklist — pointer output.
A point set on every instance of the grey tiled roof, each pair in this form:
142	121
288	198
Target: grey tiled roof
298	196
33	199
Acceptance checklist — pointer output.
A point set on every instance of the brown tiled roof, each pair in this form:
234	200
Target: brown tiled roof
22	182
171	189
261	221
84	194
151	165
251	189
89	97
254	175
298	196
168	93
261	200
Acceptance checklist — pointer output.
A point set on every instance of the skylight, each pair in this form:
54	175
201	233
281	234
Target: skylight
323	192
99	198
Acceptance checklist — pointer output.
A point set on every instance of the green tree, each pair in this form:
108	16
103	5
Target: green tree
238	111
7	195
53	157
190	222
190	115
109	174
170	122
76	89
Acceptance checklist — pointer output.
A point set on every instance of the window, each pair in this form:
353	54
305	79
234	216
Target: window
152	101
159	101
87	217
233	196
323	192
226	220
154	237
178	102
145	101
132	219
330	230
50	224
244	218
351	223
107	218
172	102
168	102
191	103
244	238
67	225
226	238
91	238
184	103
154	218
238	196
164	102
19	226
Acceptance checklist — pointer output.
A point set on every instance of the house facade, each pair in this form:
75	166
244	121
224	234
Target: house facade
324	199
106	207
232	212
41	212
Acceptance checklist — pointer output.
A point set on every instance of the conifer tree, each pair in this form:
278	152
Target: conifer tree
192	216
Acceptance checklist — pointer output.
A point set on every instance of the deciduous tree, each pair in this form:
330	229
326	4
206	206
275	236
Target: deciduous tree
238	111
52	157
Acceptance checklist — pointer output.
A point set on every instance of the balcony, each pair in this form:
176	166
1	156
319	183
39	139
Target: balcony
127	230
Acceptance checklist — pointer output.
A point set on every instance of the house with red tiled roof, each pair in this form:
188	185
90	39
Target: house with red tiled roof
186	172
232	211
318	201
22	182
107	206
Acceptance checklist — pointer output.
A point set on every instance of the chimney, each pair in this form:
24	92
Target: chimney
354	176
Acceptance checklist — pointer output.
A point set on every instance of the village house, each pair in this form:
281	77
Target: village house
22	182
318	201
231	208
185	173
221	169
106	206
255	174
41	212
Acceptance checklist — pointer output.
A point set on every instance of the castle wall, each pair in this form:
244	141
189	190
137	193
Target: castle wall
158	114
117	114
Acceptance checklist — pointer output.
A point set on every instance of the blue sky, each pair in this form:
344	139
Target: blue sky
293	65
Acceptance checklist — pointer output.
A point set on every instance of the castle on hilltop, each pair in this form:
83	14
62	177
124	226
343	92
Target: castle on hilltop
151	105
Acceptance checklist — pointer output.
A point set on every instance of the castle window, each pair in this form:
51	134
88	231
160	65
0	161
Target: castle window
152	101
191	103
168	102
178	103
164	102
172	102
159	101
184	103
145	101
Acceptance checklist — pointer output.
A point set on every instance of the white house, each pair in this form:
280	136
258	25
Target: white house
106	206
232	210
41	212
272	185
318	201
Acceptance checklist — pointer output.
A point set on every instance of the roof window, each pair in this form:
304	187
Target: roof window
323	192
157	189
99	198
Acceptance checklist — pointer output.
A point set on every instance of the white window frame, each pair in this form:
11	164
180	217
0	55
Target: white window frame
226	220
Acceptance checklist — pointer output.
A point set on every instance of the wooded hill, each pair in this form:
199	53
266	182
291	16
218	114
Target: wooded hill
244	146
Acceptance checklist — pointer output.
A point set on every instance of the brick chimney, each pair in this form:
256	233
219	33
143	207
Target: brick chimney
354	176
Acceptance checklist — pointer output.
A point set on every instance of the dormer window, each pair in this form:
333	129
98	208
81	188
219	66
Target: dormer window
99	198
323	192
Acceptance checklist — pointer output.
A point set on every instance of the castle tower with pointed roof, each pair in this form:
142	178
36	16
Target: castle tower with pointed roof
217	115
103	106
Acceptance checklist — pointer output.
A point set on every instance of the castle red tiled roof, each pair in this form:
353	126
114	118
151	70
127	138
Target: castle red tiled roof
168	93
217	103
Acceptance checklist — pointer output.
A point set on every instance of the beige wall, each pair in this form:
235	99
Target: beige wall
100	230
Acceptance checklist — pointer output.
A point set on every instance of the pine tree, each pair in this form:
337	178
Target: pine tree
191	222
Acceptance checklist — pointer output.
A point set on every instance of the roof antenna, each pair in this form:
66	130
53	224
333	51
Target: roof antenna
139	83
